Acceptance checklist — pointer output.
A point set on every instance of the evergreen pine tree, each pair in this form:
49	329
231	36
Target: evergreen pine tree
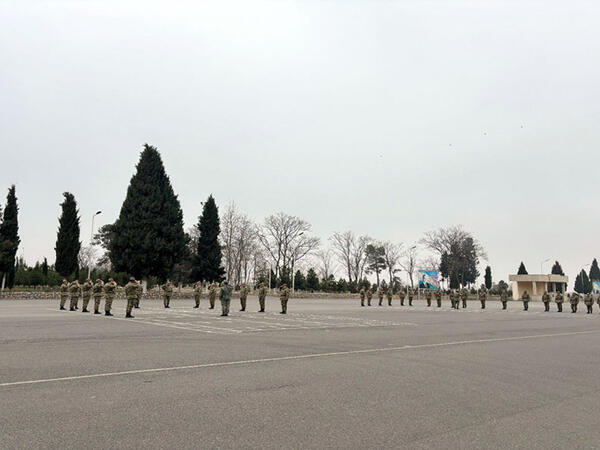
148	238
299	281
594	271
67	240
45	269
488	277
9	238
522	269
207	261
312	280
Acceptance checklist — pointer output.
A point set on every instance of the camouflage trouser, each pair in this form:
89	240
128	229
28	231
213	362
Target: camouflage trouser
503	305
410	301
589	309
86	301
63	300
368	301
559	307
546	306
225	306
211	299
439	302
136	303
108	303
74	301
97	299
482	304
380	300
261	302
197	299
166	300
284	306
243	303
389	301
362	301
464	302
573	307
525	305
428	302
130	302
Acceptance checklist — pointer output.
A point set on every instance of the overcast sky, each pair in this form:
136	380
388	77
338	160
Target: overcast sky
385	118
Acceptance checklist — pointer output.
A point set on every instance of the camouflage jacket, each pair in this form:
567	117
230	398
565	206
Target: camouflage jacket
464	294
284	294
75	289
131	290
438	294
428	294
198	288
558	298
369	294
110	289
98	289
86	289
504	296
244	292
362	294
64	289
482	294
588	299
545	297
212	291
262	292
574	299
167	289
525	297
225	293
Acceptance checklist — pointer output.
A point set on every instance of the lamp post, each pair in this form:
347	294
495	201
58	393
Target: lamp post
91	240
294	263
542	265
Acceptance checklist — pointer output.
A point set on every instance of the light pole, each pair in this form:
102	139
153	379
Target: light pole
542	265
294	263
91	240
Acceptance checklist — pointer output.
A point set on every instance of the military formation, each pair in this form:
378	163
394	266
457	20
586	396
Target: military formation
73	291
459	298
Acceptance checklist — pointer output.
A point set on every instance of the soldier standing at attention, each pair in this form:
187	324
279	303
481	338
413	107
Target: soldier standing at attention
167	293
369	296
402	295
410	295
110	290
225	297
574	300
428	297
362	296
464	294
546	301
139	293
503	298
86	294
558	299
262	296
438	297
197	293
64	294
525	297
244	296
389	295
482	296
284	296
131	291
75	291
97	290
598	300
212	295
380	295
589	302
452	296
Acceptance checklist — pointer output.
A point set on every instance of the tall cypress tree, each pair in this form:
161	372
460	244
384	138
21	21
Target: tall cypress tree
207	261
67	240
583	284
148	238
488	277
594	271
522	269
9	237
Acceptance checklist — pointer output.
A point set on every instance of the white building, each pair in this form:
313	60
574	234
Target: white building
535	285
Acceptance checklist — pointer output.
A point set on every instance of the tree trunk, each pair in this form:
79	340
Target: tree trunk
144	285
3	280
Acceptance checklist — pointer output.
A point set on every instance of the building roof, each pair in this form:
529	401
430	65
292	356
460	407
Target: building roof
550	278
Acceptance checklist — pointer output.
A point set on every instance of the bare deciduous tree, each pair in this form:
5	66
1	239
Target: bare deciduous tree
392	254
325	263
409	263
350	251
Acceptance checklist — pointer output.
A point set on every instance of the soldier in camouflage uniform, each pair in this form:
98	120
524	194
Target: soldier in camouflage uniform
131	290
362	296
389	294
369	296
428	297
197	293
284	296
64	294
167	289
546	301
75	291
503	298
453	298
212	295
559	299
402	295
98	290
139	293
380	294
244	296
574	300
110	291
438	297
588	300
262	296
86	294
410	294
525	297
464	295
225	297
482	296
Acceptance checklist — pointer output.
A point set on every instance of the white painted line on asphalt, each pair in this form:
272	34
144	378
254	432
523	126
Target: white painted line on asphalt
291	358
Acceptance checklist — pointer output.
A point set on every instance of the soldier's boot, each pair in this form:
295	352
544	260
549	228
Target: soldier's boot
401	302
107	313
483	304
429	303
369	303
129	316
410	302
362	303
380	300
243	303
389	302
97	312
62	307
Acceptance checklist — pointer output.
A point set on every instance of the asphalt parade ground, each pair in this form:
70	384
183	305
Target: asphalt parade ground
329	374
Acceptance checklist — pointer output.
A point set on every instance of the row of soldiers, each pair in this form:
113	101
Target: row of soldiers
458	296
133	293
